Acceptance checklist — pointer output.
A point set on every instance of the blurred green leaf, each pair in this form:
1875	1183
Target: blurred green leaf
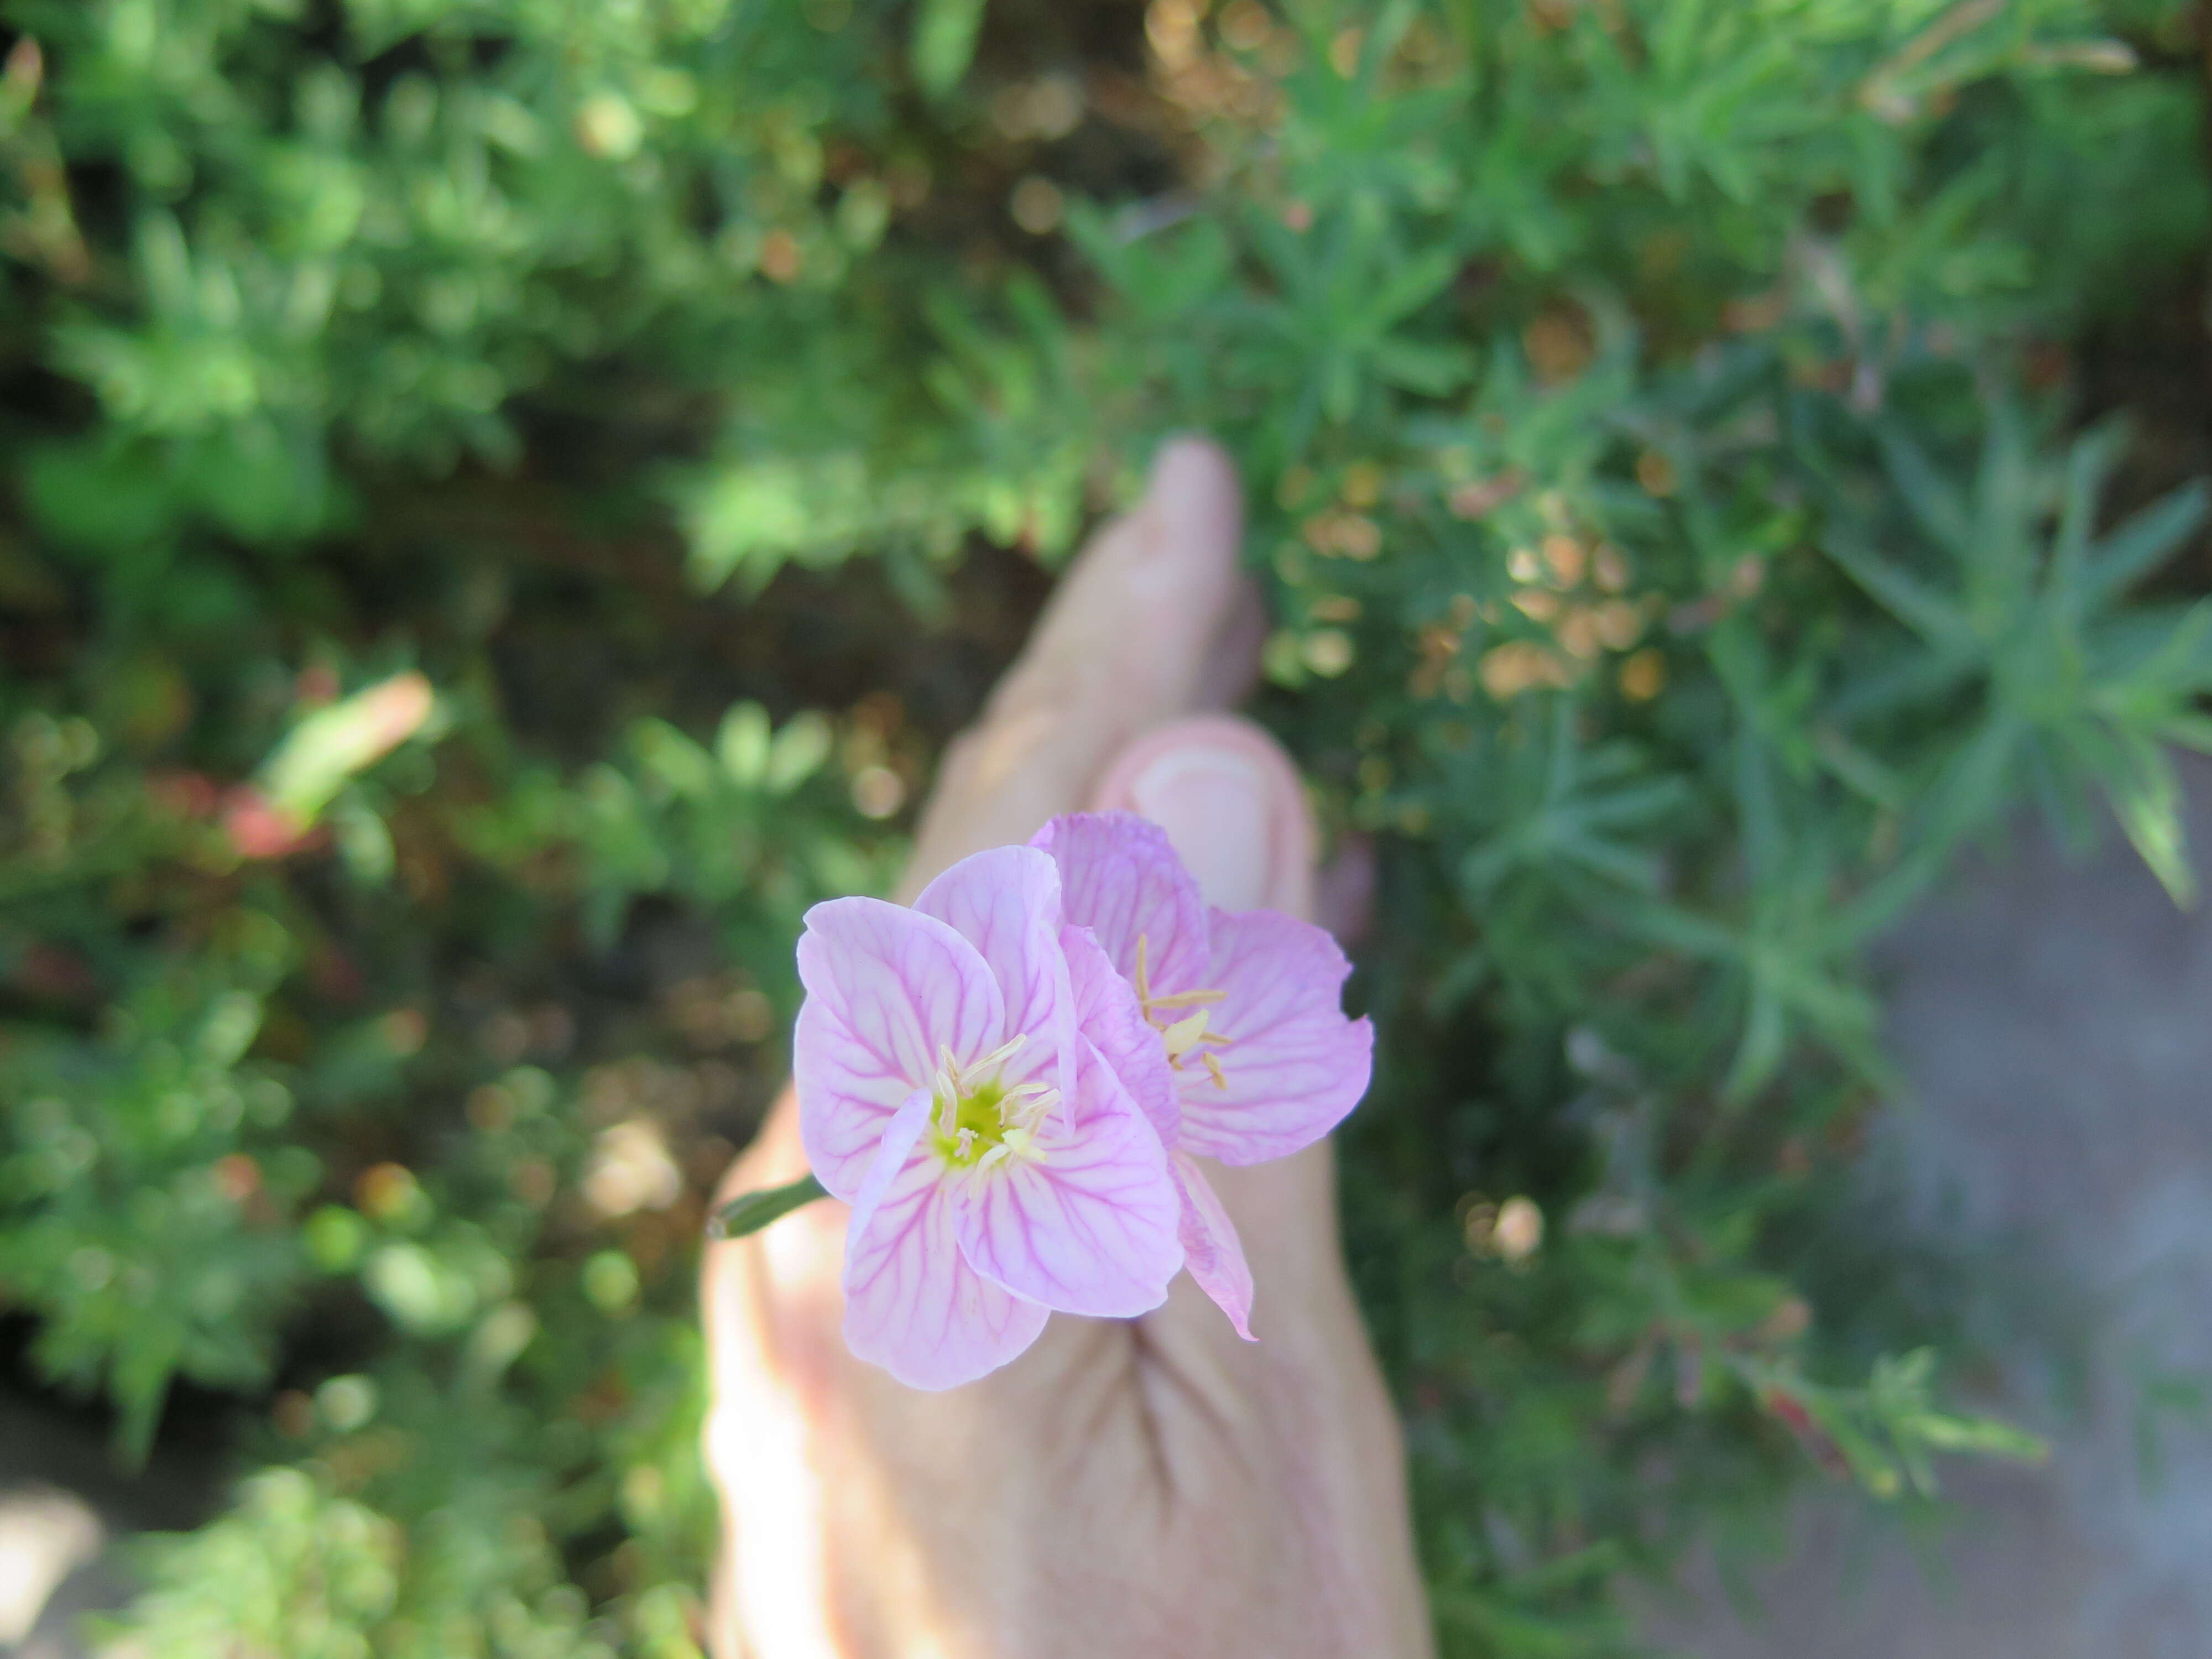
944	44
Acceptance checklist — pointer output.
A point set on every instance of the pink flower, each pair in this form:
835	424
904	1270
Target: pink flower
997	1166
1226	1027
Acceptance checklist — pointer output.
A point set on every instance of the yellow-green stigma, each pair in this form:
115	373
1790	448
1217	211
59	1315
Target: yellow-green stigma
979	1121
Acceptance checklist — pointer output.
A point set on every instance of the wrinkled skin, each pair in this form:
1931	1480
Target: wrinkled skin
1147	1487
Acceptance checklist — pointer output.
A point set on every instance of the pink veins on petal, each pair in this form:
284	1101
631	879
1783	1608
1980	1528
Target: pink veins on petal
997	1166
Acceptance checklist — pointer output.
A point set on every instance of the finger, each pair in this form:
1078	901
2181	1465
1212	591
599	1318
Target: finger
1153	618
1232	666
1231	803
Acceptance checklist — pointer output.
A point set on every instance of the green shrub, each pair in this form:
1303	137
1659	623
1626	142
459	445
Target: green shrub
438	667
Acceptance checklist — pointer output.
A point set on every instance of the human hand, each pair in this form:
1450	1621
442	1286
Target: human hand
1152	1486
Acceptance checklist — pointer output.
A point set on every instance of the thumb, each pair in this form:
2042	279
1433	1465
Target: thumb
1231	802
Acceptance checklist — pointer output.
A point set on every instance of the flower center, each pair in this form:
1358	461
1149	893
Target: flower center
978	1119
1184	1035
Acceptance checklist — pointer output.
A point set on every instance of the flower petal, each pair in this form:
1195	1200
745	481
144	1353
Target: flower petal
1088	1227
886	988
1119	877
1107	1014
913	1305
1295	1066
1210	1249
1005	902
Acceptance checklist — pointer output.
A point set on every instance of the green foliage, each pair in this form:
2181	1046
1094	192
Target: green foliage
506	498
309	1574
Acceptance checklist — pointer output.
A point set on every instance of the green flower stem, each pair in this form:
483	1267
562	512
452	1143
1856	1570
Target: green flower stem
754	1210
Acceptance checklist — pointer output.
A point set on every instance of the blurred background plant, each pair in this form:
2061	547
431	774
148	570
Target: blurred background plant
504	499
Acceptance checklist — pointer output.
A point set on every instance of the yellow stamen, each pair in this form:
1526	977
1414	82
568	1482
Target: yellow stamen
979	1121
1179	1037
1005	1051
1187	999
